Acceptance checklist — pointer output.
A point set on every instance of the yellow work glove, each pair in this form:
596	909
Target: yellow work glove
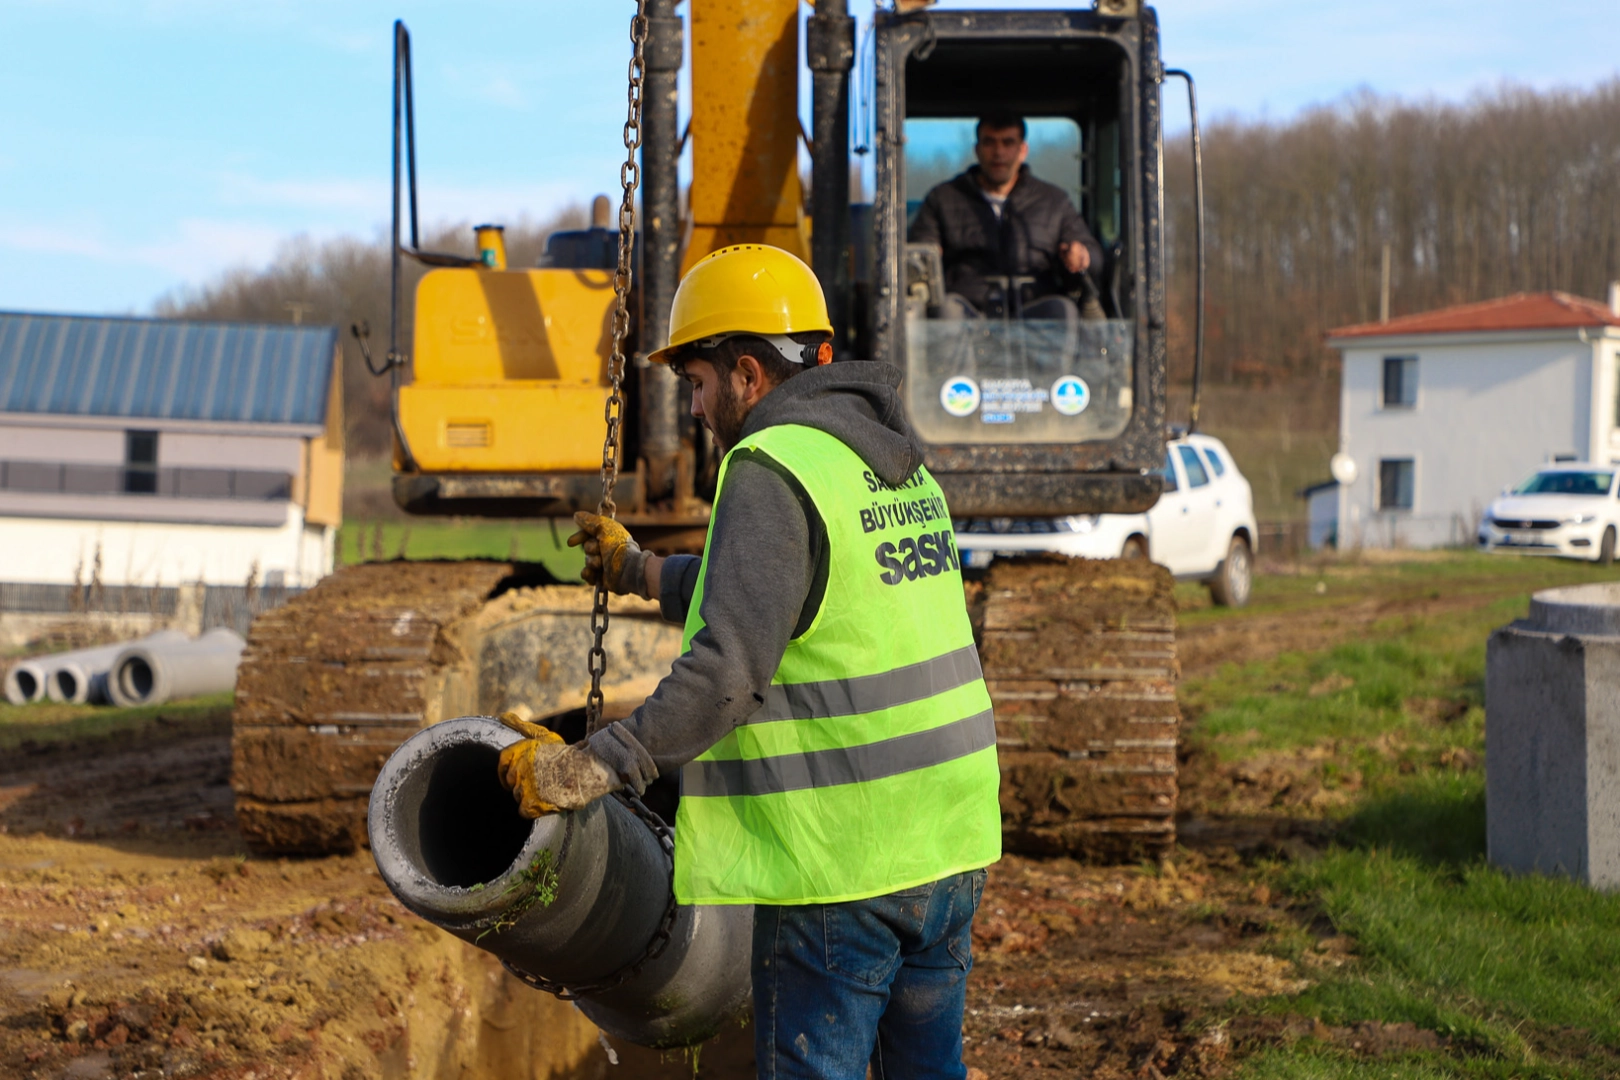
546	775
610	554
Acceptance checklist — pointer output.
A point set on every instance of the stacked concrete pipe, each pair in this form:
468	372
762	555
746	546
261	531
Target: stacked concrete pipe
450	843
81	676
152	672
25	682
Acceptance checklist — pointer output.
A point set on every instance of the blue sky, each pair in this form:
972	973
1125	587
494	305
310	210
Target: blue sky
150	144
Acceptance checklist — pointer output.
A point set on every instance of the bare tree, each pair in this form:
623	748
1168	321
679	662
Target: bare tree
342	282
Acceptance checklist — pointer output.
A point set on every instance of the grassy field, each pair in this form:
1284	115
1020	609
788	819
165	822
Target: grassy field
47	721
543	541
1515	976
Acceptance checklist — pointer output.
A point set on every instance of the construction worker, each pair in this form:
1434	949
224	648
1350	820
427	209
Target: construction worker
828	716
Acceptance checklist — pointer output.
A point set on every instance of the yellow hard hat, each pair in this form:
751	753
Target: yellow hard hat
746	289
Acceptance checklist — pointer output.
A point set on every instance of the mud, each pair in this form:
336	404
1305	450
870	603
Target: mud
1080	660
138	937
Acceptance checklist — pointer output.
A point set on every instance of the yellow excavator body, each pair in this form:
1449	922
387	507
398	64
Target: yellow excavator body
510	370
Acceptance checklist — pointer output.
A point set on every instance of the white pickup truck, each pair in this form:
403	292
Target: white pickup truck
1201	529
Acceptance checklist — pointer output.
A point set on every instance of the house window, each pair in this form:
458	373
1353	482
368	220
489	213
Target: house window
1617	390
1395	484
140	462
1400	382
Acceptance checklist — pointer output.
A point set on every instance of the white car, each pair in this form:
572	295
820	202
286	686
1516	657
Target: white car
1201	529
1566	509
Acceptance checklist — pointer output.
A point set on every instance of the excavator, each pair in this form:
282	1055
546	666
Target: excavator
501	385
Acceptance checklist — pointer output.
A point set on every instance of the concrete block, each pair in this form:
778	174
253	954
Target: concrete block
1552	737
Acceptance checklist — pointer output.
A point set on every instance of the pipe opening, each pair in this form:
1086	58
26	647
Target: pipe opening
67	684
468	826
26	683
136	678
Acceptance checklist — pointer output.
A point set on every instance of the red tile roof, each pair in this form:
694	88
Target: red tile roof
1521	311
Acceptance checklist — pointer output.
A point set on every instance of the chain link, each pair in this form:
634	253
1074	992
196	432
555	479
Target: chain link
655	947
613	411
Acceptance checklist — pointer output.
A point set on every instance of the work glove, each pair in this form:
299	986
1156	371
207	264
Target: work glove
546	775
610	555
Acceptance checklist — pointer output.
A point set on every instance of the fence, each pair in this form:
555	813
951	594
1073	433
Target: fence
1282	538
234	606
65	478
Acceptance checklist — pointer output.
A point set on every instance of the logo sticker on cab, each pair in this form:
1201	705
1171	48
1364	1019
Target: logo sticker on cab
1071	395
959	396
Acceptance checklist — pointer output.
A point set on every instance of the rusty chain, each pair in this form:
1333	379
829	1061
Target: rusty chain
613	411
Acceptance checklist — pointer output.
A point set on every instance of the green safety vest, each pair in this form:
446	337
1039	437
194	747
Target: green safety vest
871	766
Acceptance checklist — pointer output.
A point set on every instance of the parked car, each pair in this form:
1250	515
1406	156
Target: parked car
1566	509
1201	529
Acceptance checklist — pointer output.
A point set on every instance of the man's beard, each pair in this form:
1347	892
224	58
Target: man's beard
726	421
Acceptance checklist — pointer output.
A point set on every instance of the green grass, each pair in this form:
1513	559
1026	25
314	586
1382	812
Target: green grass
539	540
47	721
1521	973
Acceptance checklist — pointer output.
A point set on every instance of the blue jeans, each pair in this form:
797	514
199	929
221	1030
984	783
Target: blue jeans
880	981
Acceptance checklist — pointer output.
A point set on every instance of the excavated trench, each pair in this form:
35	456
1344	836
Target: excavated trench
137	937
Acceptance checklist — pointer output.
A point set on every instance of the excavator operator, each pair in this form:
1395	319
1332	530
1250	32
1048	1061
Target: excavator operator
828	716
1011	244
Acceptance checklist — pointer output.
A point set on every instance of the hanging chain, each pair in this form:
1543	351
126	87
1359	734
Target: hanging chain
613	412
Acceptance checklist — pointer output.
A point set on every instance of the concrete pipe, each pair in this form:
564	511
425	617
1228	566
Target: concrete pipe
152	673
81	676
573	898
25	682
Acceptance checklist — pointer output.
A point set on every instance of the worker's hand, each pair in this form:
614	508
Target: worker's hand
546	775
610	554
1076	259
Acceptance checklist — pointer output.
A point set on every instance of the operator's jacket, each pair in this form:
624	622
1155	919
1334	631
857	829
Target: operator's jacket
1036	218
765	574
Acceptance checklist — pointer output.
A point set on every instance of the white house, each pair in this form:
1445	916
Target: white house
1442	410
165	453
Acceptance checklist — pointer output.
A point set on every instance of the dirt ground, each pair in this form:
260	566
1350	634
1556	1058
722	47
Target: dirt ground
137	940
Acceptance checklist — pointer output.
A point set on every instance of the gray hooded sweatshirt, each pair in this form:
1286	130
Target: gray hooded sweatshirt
765	570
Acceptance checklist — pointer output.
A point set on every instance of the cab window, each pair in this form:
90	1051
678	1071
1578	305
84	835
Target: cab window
1190	461
1168	472
1215	462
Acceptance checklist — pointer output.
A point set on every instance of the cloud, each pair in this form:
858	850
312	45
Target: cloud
500	85
341	194
197	247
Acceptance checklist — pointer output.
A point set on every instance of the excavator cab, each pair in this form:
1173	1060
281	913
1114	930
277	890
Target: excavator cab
1040	403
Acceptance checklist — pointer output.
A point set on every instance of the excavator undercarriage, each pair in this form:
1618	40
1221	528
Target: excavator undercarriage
498	406
1079	657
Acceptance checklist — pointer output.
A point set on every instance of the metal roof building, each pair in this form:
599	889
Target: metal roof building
163	452
166	369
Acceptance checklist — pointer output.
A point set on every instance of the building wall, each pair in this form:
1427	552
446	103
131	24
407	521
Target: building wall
1489	411
34	443
103	446
269	453
63	551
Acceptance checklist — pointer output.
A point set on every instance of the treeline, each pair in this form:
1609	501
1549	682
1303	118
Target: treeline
342	282
1514	190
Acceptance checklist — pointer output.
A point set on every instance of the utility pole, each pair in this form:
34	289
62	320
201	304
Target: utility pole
1383	290
298	307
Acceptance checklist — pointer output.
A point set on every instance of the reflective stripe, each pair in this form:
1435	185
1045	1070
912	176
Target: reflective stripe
870	693
841	765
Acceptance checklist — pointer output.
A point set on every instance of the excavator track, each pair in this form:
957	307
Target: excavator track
336	679
1080	659
1079	656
